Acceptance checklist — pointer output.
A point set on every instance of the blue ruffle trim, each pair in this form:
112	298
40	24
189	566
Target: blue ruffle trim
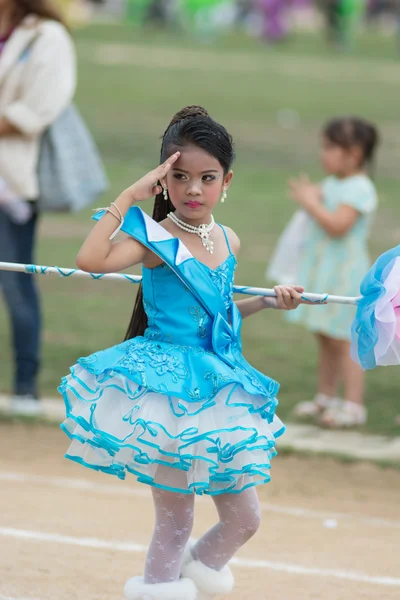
199	488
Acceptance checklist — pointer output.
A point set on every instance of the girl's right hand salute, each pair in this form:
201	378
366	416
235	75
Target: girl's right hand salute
98	253
149	185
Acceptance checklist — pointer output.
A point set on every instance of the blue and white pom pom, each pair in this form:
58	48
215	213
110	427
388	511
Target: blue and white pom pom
376	328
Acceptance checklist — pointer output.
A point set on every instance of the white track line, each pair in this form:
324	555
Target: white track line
251	564
75	484
71	541
143	492
16	598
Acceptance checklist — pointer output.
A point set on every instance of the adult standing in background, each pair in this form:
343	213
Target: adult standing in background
274	13
37	82
343	18
331	9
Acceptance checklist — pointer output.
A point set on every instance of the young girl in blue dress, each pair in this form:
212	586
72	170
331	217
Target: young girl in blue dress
176	404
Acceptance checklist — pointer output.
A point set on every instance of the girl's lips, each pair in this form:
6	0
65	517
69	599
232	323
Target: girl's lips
193	204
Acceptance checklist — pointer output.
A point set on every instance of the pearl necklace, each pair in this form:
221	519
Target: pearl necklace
203	230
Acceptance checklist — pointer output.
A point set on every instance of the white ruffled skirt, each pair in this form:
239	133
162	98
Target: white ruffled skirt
223	444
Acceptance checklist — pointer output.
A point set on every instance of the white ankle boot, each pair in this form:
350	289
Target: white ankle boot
136	589
210	583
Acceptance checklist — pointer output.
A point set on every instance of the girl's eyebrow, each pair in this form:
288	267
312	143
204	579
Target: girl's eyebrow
183	171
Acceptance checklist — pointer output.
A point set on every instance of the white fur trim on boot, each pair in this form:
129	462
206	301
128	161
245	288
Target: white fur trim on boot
137	589
208	581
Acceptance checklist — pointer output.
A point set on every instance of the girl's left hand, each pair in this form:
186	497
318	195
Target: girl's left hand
304	192
288	297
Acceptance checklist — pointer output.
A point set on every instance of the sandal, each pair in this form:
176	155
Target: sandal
344	415
315	407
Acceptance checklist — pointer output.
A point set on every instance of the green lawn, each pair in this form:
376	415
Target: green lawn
129	101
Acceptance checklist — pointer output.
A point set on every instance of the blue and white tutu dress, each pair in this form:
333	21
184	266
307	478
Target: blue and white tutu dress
179	408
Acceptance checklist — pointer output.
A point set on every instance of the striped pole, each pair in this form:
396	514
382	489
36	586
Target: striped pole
238	289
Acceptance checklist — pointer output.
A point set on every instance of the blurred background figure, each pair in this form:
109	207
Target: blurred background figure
137	10
342	19
351	13
397	16
272	20
385	15
209	18
158	12
244	9
376	8
332	19
274	15
37	82
335	259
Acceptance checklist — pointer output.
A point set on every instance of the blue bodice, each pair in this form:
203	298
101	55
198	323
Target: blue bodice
192	346
174	314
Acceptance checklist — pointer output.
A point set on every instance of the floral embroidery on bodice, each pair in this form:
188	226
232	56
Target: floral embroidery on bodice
223	277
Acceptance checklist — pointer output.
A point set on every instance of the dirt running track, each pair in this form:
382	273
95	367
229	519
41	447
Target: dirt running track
329	531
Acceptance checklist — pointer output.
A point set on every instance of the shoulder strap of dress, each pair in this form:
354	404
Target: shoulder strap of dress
226	238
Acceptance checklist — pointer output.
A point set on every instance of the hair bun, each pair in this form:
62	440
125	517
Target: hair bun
189	112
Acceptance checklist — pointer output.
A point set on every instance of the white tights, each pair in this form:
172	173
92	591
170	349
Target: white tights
239	519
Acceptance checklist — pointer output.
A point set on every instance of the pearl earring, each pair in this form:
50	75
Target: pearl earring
165	193
224	195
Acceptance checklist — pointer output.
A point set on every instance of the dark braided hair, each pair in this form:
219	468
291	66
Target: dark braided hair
348	132
190	126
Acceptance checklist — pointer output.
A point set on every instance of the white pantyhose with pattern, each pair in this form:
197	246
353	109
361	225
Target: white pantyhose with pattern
239	519
174	521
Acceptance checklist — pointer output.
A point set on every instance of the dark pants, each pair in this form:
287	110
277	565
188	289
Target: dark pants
22	301
333	20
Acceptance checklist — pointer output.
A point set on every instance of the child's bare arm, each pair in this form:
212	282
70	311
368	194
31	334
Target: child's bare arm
309	196
336	224
99	254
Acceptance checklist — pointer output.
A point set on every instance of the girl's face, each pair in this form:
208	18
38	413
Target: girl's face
195	184
339	161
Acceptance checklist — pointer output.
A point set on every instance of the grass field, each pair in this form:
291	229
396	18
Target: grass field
130	85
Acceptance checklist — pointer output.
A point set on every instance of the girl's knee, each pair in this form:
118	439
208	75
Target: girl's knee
337	346
249	521
254	523
184	527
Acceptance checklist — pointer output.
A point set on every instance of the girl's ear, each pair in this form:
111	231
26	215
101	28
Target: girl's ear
228	179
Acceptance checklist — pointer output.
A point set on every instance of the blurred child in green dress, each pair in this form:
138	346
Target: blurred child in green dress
334	259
